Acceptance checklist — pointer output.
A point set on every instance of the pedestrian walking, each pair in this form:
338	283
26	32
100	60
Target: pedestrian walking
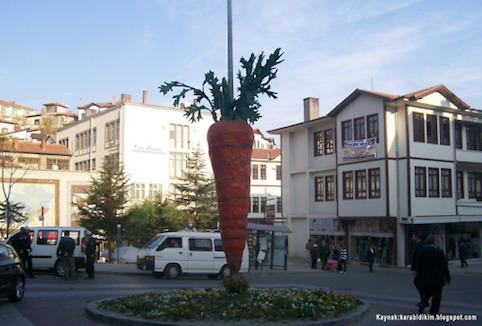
65	251
21	242
324	255
370	256
432	274
417	239
308	246
90	249
343	258
314	253
463	252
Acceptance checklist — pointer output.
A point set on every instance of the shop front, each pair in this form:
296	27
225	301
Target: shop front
450	237
327	229
379	234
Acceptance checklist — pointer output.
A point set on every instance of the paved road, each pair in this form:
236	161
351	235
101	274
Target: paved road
53	301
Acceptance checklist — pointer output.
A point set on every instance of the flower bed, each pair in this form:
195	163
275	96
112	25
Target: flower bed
218	305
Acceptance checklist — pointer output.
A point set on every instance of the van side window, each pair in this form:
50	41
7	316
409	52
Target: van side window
74	235
218	245
47	237
3	253
200	245
170	243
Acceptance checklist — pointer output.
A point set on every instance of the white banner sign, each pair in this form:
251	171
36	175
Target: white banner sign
359	149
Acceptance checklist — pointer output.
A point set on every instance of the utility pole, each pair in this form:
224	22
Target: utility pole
230	52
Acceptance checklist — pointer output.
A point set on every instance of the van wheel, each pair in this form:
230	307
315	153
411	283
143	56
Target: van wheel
59	268
225	271
18	291
172	271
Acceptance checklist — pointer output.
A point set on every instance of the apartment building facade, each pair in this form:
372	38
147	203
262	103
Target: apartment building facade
152	142
381	167
14	112
265	203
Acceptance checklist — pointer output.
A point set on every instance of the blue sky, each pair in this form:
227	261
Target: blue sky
65	50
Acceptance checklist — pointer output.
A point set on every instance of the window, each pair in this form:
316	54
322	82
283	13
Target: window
137	191
348	185
433	182
178	136
432	134
420	182
458	135
279	205
346	134
446	182
177	164
475	185
4	254
359	128
200	244
47	237
278	172
317	143
250	203
474	137
319	189
254	172
444	131
418	128
372	126
218	245
263	204
255	204
57	164
460	185
330	188
111	138
374	183
73	234
263	171
360	184
328	141
154	190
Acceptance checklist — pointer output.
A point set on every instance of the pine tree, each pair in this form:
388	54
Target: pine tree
104	206
195	194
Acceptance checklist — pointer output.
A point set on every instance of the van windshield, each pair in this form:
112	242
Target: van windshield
154	242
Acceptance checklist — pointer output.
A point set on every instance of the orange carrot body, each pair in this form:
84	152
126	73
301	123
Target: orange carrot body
230	146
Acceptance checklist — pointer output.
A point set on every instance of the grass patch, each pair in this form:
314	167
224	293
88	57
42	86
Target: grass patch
219	305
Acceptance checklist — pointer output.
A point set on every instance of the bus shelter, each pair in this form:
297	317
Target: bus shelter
268	246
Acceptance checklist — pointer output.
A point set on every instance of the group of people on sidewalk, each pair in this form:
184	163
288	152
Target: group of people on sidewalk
320	251
21	242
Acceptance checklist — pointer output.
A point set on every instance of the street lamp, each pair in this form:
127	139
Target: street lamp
118	240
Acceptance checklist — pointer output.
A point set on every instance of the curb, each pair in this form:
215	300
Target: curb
111	318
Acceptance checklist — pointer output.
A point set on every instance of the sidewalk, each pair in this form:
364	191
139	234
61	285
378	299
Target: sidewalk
296	265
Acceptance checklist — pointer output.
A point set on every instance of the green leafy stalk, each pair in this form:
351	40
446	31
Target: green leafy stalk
254	78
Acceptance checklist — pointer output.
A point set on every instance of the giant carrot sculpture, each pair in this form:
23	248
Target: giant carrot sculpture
230	141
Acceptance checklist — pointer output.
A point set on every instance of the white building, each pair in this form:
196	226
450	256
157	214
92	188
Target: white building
152	142
265	194
383	167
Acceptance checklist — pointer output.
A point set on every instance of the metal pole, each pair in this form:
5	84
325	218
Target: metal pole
230	52
118	241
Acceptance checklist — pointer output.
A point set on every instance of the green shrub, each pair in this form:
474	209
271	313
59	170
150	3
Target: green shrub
236	285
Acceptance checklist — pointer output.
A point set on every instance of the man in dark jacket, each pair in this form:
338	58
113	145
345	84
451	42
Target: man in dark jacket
314	253
21	243
370	256
432	274
66	253
416	252
90	246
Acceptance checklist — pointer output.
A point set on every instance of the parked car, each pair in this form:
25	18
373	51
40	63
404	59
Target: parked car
175	253
12	274
45	241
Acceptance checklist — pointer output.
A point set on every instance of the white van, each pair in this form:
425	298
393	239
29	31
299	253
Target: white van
45	241
174	253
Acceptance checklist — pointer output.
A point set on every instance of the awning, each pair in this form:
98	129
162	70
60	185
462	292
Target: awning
268	228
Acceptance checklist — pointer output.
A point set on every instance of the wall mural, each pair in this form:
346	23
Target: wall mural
35	196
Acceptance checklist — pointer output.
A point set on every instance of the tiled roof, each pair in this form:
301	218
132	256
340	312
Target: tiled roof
98	104
265	154
442	89
15	105
34	148
56	104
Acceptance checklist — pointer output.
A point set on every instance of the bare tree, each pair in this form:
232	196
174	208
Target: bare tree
12	173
